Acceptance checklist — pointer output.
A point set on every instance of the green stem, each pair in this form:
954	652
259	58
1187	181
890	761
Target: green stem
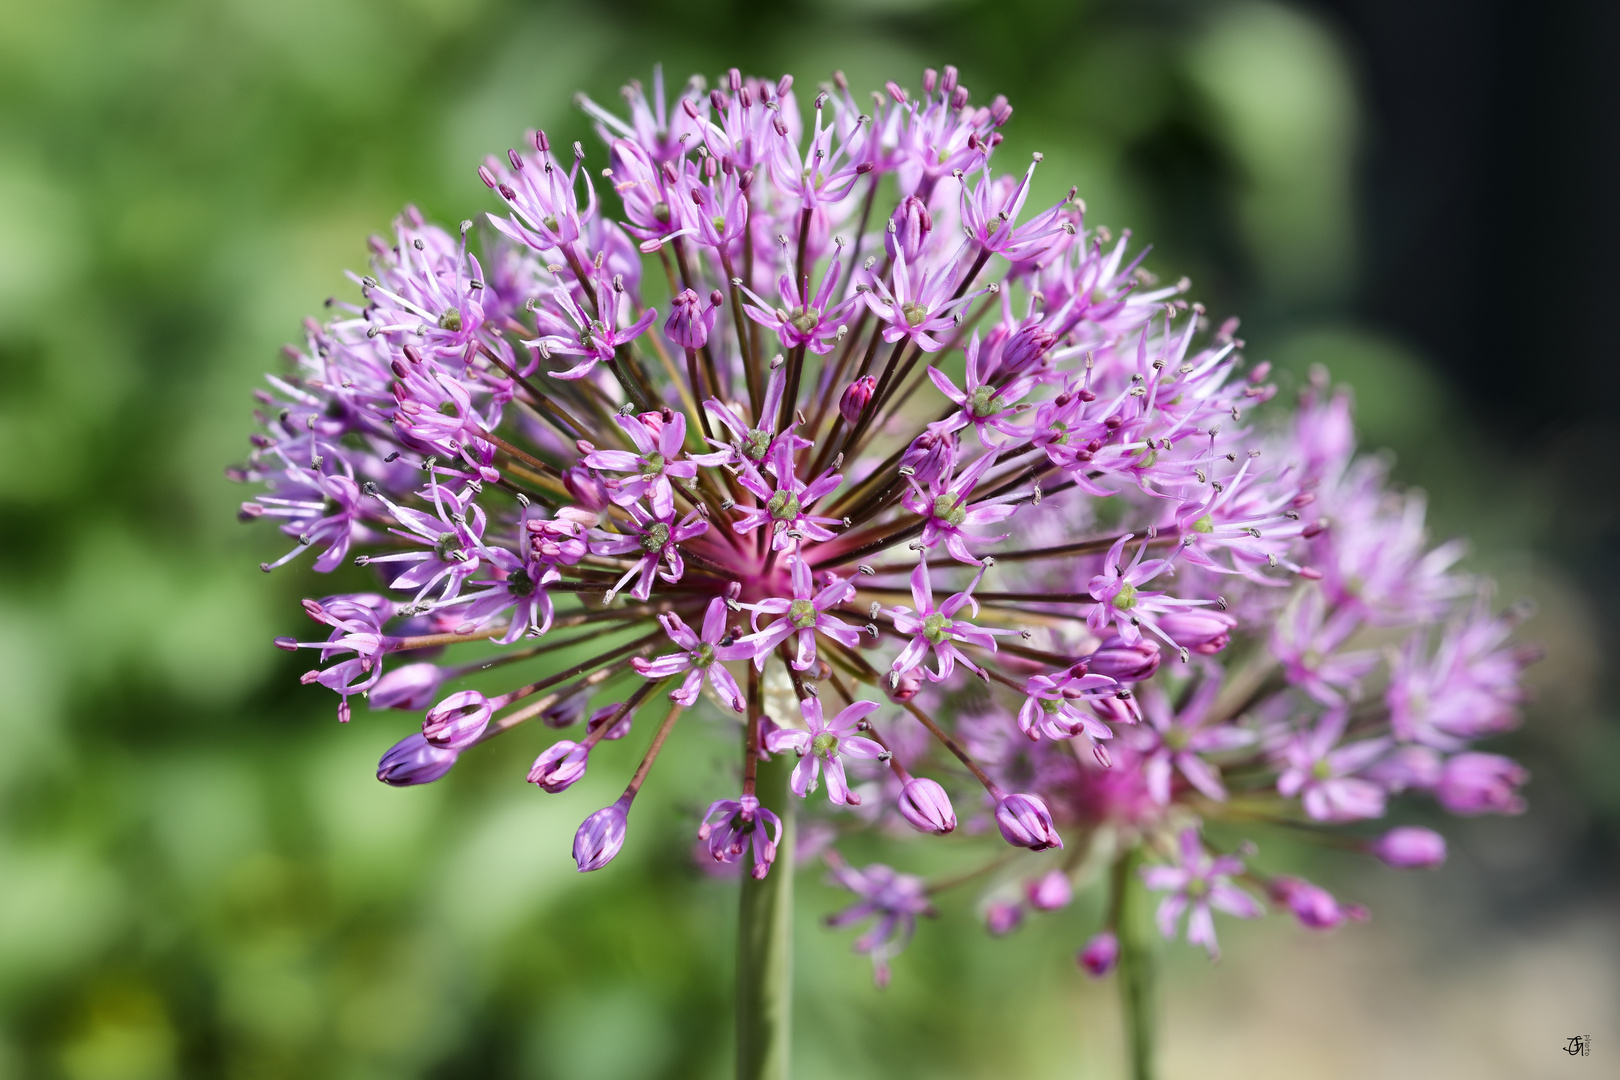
765	945
1138	967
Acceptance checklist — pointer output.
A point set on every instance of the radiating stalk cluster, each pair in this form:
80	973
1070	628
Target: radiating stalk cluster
938	496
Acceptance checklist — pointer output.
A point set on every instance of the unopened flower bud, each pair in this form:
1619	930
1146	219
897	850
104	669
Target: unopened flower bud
1202	630
414	760
456	722
1100	954
925	805
410	687
1025	348
904	688
1050	891
857	395
559	766
601	835
1025	821
690	323
911	225
621	726
1313	905
1125	663
586	487
1481	784
1002	918
568	710
1410	847
1114	709
929	456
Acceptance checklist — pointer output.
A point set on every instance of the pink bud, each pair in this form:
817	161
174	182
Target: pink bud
567	710
1410	847
456	722
929	456
1002	918
1125	663
1050	891
925	805
909	229
601	836
621	726
414	760
904	688
1100	954
1313	905
857	395
690	323
1475	783
1025	821
1025	348
586	488
410	687
1202	630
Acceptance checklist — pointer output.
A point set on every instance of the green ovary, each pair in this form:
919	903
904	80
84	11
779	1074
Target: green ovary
984	402
784	506
946	509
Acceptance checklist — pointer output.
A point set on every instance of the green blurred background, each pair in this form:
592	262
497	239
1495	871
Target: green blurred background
199	876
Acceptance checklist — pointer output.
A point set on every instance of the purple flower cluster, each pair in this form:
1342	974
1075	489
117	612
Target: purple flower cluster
869	452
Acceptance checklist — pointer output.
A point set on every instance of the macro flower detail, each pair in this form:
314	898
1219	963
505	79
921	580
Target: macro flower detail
702	657
937	629
733	828
900	441
822	746
893	901
1198	884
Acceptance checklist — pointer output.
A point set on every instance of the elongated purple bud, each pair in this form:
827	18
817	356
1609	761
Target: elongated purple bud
690	323
1475	783
925	805
1050	892
1025	822
414	760
411	687
601	836
908	230
1125	663
1202	630
559	766
929	456
1002	918
1410	847
1313	905
1100	955
621	726
456	722
857	395
1025	348
568	710
586	487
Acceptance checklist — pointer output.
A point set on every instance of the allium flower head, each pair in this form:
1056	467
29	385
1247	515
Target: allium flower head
936	489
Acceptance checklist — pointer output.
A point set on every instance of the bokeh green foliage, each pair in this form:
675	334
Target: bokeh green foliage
198	876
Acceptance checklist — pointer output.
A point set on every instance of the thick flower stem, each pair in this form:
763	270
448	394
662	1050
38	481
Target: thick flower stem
765	945
1138	969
